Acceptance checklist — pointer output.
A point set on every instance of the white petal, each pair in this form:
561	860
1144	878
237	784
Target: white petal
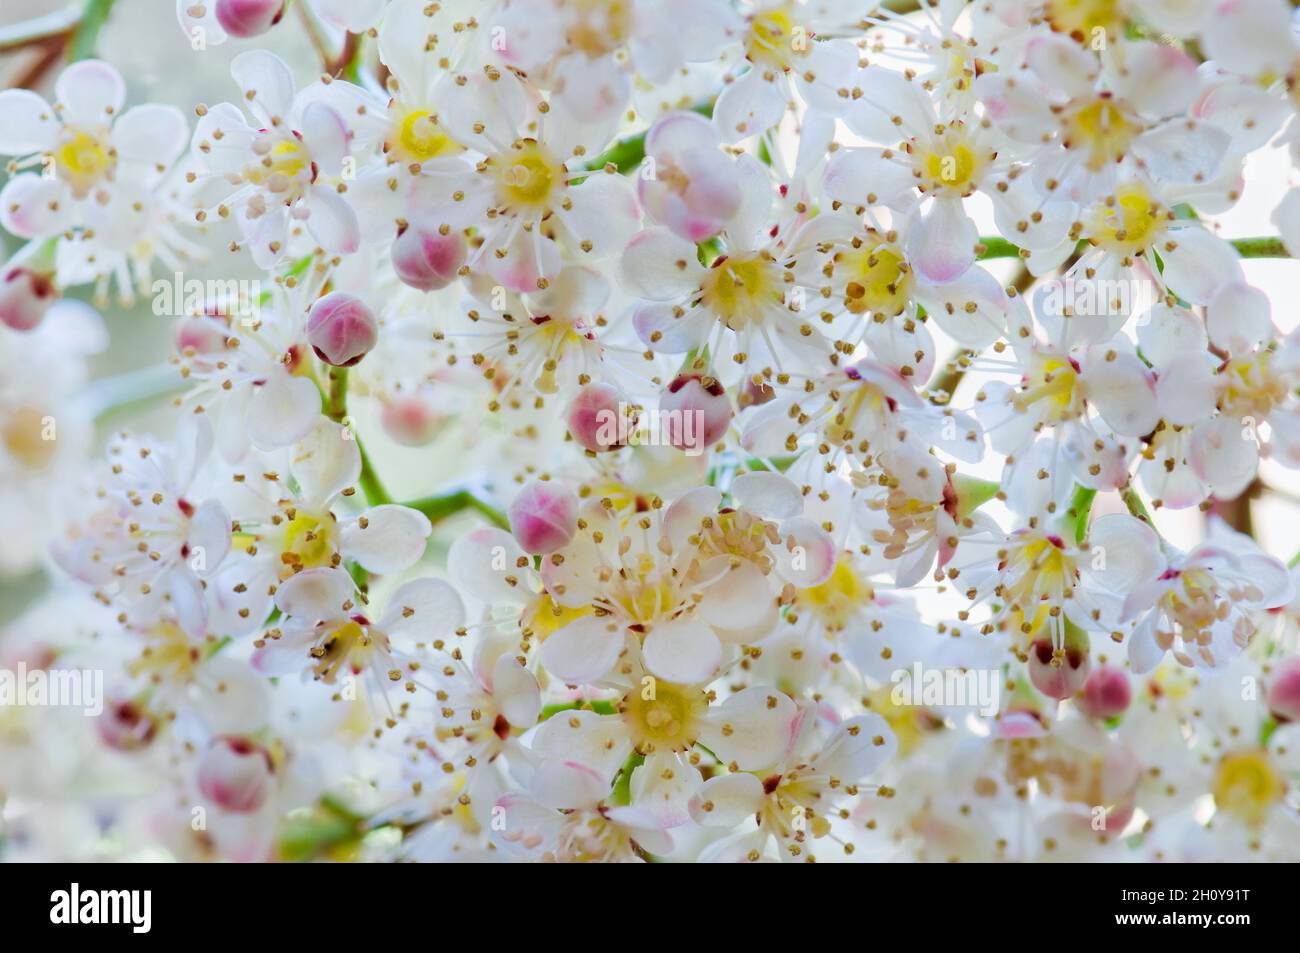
151	133
942	245
1123	392
27	123
1061	64
282	411
748	106
767	494
333	221
683	651
1123	552
326	461
1239	318
485	561
1287	218
583	651
516	692
90	92
1186	392
728	801
423	609
315	594
659	266
754	728
858	747
1199	265
266	84
391	540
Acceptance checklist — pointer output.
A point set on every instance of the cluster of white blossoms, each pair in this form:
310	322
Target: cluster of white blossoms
759	506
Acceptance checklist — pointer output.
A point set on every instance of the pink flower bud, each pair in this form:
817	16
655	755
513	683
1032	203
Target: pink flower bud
200	335
245	18
696	412
1105	694
25	296
425	259
599	419
411	420
544	516
1062	677
125	726
341	329
235	774
1284	690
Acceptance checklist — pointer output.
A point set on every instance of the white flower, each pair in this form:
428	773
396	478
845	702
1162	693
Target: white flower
89	151
279	171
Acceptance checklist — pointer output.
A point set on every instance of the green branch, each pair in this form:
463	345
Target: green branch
1076	517
335	399
439	508
86	34
995	246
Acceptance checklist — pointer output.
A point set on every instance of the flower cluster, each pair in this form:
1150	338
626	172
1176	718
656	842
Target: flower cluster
826	429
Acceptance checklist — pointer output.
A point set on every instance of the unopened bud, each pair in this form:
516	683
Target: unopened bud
125	726
596	418
425	259
1284	690
245	18
1058	676
411	420
1106	693
341	329
235	774
544	516
698	412
25	296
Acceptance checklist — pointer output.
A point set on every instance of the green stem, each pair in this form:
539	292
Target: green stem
439	508
1261	248
995	246
622	793
1135	505
599	707
86	35
1080	507
336	408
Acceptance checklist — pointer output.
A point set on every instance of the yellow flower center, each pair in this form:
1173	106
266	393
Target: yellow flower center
1247	785
545	616
601	26
836	600
1250	387
23	434
1087	21
1100	128
662	716
350	646
1053	383
1135	223
774	38
879	281
527	176
420	137
309	541
949	162
738	289
82	160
